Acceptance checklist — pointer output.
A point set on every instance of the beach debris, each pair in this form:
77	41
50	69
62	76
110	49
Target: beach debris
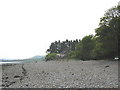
116	58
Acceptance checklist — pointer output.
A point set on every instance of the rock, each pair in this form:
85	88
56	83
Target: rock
76	79
16	76
21	78
3	85
27	85
42	71
8	85
107	66
6	77
12	82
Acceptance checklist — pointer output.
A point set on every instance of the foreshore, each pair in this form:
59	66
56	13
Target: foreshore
61	74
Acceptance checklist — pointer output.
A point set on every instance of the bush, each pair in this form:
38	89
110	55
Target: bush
73	55
51	56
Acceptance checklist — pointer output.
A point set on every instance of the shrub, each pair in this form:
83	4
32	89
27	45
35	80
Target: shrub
51	56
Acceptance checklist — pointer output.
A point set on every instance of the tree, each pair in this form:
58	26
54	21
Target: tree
104	45
85	47
107	34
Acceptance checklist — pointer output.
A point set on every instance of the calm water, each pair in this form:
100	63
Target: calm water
20	61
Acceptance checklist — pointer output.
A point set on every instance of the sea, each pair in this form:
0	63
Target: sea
16	61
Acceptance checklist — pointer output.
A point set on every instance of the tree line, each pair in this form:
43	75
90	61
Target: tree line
63	47
102	45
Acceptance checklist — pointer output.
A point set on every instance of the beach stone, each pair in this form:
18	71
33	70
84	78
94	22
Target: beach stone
59	75
27	85
12	82
3	85
107	66
16	76
43	71
6	77
72	73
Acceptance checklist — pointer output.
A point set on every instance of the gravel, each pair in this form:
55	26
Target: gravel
61	74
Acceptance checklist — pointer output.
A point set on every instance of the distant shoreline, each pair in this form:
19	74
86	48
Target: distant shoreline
3	62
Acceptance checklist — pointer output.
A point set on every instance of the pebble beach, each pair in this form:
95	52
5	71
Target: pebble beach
61	74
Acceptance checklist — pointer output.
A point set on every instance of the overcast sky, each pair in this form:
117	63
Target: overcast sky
27	27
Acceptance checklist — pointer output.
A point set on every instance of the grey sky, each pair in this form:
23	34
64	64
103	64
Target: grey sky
27	27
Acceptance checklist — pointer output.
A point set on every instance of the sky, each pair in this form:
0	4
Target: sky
27	27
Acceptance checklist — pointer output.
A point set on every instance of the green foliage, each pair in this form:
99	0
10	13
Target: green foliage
63	47
51	56
73	54
104	45
98	51
107	34
85	47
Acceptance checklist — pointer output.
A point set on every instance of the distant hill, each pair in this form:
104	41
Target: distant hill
38	56
34	57
6	59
